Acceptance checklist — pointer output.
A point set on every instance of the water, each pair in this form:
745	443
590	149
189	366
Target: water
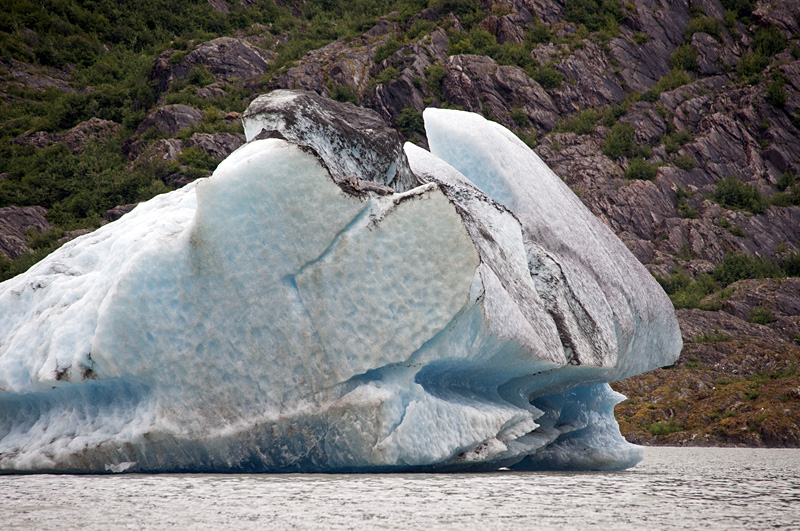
673	488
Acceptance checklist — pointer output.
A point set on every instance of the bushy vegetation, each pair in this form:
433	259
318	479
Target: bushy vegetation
641	170
768	41
581	123
740	10
686	292
520	117
344	93
750	67
480	42
684	57
684	162
387	49
410	122
740	266
673	142
776	94
733	193
682	197
594	14
619	141
762	315
704	24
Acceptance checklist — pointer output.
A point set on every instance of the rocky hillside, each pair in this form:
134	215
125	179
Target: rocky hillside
676	122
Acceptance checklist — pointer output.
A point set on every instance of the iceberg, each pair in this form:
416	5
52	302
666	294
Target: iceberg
330	300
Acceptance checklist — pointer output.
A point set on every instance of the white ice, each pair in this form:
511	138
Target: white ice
265	319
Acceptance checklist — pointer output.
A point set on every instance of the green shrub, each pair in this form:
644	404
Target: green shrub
386	50
768	41
684	58
674	142
176	57
538	34
685	292
737	231
684	162
594	14
639	169
520	117
694	292
199	76
650	96
791	265
418	28
783	199
740	266
410	121
685	211
671	285
664	428
581	123
548	77
786	180
776	94
733	193
529	139
197	158
513	54
386	75
642	151
676	78
703	24
615	111
741	9
640	37
712	337
762	315
457	7
435	75
683	193
750	67
344	93
619	141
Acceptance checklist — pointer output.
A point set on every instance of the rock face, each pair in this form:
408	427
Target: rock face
736	382
170	120
328	301
14	223
76	138
473	81
226	58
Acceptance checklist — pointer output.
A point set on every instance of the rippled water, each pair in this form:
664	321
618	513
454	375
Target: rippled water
673	488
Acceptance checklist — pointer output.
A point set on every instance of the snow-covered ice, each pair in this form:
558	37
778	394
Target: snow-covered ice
331	301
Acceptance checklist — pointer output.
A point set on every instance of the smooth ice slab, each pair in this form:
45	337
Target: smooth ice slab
331	301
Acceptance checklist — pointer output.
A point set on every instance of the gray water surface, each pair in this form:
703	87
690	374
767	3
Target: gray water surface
673	488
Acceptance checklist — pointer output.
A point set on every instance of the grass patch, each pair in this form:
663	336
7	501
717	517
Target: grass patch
664	428
712	337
